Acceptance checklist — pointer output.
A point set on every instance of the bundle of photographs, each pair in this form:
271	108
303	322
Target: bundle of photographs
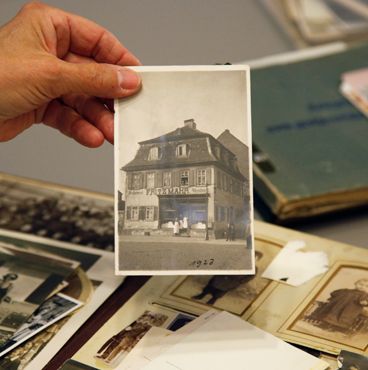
313	22
49	285
326	316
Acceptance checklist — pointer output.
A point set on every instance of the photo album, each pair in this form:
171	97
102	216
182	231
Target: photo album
183	173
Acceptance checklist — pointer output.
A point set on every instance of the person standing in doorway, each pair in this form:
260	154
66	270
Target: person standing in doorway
176	227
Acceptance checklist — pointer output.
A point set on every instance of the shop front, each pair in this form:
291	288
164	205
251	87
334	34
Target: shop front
193	208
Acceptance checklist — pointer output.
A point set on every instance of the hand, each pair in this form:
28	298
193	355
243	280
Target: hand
62	70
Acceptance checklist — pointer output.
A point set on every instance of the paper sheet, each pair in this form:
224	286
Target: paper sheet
147	349
294	266
158	340
226	341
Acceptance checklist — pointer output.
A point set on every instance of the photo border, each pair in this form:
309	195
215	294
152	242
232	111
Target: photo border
311	340
248	120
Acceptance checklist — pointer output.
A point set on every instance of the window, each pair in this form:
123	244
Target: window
184	178
135	214
150	180
153	153
150	213
222	213
231	188
218	152
201	177
182	150
226	158
137	183
167	179
219	180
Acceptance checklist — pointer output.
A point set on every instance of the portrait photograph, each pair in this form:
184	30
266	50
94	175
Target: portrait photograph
183	173
108	347
233	293
24	285
352	361
337	313
119	345
52	310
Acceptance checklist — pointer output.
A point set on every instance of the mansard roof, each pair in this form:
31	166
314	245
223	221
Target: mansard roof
185	132
204	149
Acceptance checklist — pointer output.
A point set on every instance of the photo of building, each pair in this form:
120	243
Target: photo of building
183	177
188	177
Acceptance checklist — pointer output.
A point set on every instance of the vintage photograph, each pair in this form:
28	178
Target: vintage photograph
352	361
56	212
89	284
52	310
118	346
26	280
233	293
183	175
338	312
108	347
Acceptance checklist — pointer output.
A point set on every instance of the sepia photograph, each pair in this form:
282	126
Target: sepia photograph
56	212
233	293
118	346
338	313
183	176
108	348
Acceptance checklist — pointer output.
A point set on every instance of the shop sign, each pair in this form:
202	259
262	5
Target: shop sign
177	190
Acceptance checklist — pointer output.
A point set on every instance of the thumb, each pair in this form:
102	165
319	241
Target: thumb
101	80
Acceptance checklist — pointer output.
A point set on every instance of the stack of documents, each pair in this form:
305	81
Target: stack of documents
217	341
311	22
354	87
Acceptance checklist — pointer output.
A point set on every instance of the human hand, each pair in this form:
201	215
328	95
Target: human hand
62	70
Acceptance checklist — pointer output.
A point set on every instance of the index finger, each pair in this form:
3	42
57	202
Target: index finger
89	39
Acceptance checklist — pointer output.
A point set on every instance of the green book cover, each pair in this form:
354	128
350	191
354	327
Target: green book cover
311	143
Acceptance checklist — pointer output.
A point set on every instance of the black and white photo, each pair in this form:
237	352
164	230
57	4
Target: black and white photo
183	180
51	311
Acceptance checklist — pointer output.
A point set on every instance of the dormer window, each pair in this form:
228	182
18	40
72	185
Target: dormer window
154	153
182	150
218	152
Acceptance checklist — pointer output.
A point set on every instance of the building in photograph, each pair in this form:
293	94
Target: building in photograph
187	178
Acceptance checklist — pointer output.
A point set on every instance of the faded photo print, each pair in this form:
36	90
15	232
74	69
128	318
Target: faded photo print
233	293
340	311
183	173
118	346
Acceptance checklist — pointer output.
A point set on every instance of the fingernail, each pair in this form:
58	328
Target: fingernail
128	79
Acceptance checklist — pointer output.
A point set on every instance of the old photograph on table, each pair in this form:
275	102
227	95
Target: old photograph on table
237	294
111	344
92	284
183	176
335	314
51	311
26	280
57	212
